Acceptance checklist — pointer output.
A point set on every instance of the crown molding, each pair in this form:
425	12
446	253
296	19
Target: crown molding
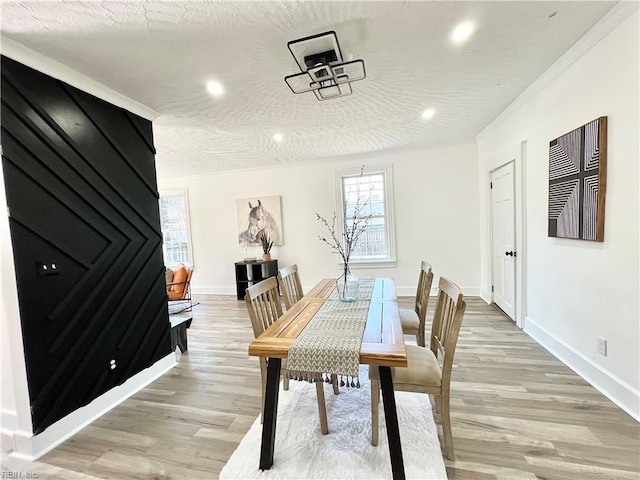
33	59
612	19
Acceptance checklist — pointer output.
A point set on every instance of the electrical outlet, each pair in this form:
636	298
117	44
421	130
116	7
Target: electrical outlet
602	346
45	269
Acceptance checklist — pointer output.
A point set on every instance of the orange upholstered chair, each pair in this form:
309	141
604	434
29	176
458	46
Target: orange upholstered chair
178	290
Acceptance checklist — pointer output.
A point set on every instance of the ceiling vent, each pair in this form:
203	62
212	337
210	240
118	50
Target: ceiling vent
324	71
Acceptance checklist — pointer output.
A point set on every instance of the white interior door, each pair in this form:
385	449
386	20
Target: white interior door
503	225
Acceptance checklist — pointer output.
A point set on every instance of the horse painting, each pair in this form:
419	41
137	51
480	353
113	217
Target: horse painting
261	223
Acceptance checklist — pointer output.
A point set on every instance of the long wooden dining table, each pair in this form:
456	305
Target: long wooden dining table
382	347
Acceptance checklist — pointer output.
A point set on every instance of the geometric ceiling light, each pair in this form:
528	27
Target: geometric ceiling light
323	70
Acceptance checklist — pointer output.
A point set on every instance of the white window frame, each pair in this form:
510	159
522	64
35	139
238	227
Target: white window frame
177	192
387	172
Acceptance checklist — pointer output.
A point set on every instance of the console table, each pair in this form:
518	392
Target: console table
250	273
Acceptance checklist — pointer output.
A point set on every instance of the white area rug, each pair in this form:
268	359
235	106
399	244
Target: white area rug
302	452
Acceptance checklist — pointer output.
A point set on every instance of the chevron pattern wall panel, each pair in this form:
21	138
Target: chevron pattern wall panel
85	228
577	182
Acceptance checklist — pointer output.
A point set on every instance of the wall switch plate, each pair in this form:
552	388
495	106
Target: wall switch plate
602	346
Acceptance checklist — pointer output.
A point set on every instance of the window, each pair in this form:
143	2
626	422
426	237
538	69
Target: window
373	189
174	221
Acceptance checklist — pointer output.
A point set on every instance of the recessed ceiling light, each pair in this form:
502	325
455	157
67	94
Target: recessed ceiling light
462	32
428	113
214	88
278	137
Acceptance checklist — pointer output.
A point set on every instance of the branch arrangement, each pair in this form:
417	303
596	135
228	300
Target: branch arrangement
344	244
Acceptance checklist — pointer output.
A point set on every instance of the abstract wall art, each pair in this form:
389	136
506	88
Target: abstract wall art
577	182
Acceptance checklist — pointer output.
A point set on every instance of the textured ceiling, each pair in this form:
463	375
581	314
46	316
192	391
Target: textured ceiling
162	54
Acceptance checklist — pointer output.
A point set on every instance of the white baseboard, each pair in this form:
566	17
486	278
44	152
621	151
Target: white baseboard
8	427
213	289
31	447
618	391
485	295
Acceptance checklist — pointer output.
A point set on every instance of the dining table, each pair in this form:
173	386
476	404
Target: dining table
382	347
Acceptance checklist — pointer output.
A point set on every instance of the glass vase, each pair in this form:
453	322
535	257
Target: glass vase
347	286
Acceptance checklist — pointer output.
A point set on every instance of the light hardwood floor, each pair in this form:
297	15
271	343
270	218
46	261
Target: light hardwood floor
517	412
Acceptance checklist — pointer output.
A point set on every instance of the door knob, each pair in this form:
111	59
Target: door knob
509	254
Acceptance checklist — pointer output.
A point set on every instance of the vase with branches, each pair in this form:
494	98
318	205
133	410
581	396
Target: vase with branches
267	243
344	242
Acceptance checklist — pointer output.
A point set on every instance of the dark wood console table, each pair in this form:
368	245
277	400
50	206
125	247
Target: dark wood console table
250	273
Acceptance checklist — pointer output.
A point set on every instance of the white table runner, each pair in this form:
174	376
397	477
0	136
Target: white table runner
331	341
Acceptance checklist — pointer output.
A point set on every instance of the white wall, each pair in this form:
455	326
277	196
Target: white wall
15	414
436	209
577	290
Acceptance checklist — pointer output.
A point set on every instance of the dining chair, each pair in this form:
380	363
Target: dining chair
263	305
413	320
429	370
290	285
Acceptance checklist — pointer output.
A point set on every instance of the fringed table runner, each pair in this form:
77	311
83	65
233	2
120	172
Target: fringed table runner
331	341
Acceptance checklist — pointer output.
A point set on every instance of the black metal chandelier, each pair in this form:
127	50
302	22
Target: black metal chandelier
323	70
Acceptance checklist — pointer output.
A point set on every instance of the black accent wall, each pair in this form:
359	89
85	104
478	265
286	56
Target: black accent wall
85	227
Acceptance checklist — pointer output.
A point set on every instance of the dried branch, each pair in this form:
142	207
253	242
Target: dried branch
354	226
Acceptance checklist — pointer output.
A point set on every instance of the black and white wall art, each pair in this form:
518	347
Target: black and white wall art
577	181
258	217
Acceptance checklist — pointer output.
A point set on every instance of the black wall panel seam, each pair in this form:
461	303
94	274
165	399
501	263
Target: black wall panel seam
31	128
125	336
47	187
17	217
142	135
62	135
110	140
162	341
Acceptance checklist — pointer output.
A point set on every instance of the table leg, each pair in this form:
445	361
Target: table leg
270	413
391	419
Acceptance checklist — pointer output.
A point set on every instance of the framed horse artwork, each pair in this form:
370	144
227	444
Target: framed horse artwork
259	217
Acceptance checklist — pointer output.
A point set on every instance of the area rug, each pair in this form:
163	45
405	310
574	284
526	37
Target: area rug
302	452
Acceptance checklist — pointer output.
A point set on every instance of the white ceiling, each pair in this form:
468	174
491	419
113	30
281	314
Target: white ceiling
162	54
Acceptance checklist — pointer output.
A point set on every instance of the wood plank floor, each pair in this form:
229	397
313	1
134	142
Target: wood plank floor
517	412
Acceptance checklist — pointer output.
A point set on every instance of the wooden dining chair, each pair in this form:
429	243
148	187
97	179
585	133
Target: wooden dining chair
413	320
290	285
263	305
429	370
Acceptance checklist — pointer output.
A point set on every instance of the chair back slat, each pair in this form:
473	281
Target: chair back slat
263	305
424	289
446	324
290	285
